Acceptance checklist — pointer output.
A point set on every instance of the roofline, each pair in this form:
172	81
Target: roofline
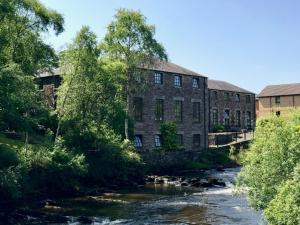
267	96
231	91
186	74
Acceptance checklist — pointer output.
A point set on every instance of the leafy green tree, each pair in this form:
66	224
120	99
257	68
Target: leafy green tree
130	41
284	209
269	168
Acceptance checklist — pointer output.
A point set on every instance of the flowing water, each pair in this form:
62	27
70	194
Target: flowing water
162	204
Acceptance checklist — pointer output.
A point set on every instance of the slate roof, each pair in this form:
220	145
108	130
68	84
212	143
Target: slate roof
225	86
158	66
173	68
280	90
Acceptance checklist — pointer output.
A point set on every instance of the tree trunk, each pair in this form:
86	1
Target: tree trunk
127	114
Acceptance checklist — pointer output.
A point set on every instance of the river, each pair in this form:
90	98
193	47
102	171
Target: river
160	204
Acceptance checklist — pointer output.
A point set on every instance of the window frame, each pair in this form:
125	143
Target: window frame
158	140
177	82
158	76
277	100
138	141
248	99
237	97
159	109
196	112
138	116
196	141
196	81
178	110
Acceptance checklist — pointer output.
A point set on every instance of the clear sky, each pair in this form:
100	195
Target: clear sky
250	43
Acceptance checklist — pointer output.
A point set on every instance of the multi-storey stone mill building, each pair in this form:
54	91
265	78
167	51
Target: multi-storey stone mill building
176	94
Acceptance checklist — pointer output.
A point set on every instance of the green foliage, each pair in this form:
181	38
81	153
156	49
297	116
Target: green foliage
269	167
169	136
285	207
130	43
8	157
218	128
35	171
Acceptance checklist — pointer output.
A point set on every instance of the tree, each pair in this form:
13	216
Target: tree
269	170
22	55
130	41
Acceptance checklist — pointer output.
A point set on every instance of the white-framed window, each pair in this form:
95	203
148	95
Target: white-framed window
195	82
157	140
158	78
177	81
138	141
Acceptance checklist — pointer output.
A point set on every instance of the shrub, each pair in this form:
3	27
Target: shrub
8	157
169	136
218	128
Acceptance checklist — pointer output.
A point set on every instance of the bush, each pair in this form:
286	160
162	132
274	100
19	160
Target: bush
169	136
218	128
8	157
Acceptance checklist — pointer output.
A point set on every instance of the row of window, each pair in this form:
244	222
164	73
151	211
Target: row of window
237	97
158	140
158	79
159	110
226	117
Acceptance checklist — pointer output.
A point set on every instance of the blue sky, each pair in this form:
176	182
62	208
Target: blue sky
250	43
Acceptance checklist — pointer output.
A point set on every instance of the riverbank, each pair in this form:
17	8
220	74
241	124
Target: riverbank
167	202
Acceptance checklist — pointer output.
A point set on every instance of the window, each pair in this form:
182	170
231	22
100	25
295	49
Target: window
277	99
157	140
196	140
196	111
226	117
226	96
180	139
278	113
138	143
178	110
177	81
248	119
237	97
195	82
138	108
215	95
238	118
158	79
215	117
159	109
248	99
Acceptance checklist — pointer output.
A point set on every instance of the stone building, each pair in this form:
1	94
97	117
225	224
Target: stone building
48	84
230	106
278	99
173	94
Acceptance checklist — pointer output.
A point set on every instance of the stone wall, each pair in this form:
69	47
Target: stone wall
149	126
226	100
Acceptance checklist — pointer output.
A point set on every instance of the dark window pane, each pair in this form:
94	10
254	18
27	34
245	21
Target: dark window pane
237	97
238	118
138	108
180	139
277	99
159	109
196	140
215	117
178	110
226	117
196	111
248	99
